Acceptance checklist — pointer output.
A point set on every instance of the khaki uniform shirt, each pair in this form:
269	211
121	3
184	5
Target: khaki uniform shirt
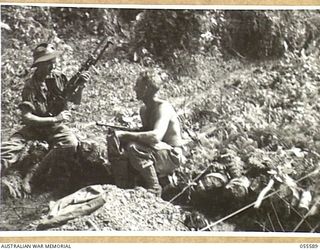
45	98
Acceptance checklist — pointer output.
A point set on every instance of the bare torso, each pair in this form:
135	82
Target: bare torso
163	113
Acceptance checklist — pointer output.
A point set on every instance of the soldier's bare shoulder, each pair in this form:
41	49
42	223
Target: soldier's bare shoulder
164	104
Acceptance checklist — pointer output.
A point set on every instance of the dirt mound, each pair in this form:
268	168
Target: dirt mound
130	210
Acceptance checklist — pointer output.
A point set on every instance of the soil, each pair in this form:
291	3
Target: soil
262	114
130	210
124	210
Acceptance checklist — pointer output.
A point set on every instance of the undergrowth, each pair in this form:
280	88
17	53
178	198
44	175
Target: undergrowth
249	122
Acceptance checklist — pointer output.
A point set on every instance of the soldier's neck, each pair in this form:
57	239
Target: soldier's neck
149	101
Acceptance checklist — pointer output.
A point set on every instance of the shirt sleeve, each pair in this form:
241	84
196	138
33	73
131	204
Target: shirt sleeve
76	96
27	99
62	82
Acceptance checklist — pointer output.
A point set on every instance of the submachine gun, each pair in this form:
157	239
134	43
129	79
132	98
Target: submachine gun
93	58
112	127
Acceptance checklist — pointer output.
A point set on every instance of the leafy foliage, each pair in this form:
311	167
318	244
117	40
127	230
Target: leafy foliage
251	122
265	34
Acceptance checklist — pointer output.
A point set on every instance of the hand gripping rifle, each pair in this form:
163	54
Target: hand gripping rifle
115	151
93	58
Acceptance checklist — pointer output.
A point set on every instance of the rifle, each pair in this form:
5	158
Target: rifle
115	127
93	58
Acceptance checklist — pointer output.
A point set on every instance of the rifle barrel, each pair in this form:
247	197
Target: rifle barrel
115	127
101	52
101	42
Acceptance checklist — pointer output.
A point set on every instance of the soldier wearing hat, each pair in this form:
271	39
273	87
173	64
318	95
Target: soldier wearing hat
156	150
43	111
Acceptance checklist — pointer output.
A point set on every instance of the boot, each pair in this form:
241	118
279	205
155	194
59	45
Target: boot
150	178
120	173
28	178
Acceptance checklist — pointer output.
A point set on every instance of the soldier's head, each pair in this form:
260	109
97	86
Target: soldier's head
44	57
147	84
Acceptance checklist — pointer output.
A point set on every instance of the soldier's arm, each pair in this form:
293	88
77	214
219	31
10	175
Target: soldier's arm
76	96
27	109
29	118
143	117
155	135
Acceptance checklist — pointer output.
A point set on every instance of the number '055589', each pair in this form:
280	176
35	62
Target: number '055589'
309	246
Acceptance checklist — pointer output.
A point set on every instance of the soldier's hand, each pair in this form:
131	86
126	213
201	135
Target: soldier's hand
63	116
85	76
119	133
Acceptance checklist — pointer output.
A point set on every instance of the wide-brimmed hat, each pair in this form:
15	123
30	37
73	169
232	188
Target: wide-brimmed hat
44	52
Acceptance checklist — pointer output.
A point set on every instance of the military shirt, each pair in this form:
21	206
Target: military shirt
45	98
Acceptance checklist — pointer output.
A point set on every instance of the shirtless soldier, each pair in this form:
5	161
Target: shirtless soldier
155	151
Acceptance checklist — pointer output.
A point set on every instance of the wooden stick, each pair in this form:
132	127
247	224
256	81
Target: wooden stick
263	194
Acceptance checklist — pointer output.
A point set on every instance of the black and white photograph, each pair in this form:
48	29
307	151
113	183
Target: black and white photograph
160	119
